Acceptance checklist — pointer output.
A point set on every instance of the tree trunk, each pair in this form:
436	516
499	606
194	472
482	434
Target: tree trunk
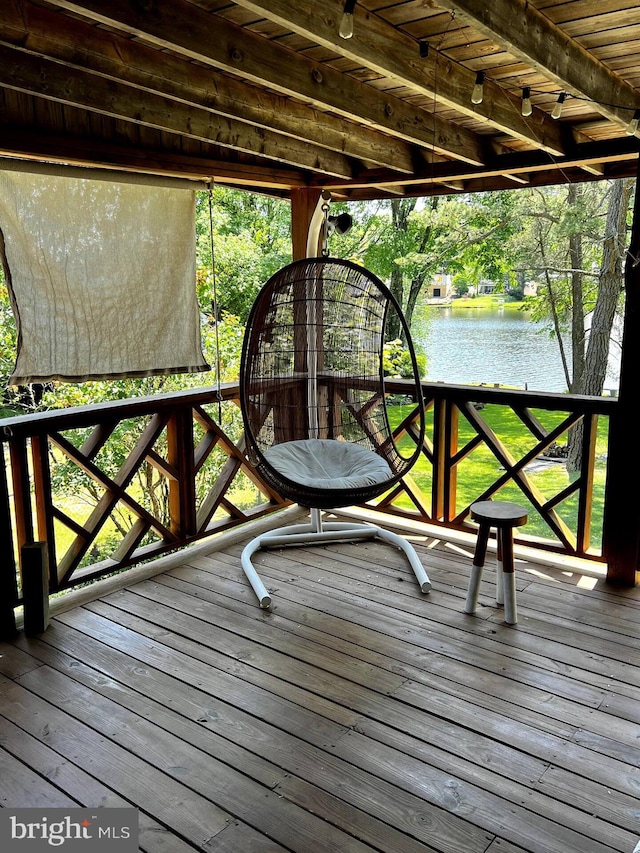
577	300
609	288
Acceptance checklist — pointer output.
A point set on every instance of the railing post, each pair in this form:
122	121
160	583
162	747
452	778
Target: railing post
587	471
182	490
8	585
35	587
44	499
451	471
439	460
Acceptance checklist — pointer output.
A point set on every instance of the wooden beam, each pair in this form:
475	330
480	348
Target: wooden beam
35	145
383	48
529	35
515	166
181	27
52	34
64	84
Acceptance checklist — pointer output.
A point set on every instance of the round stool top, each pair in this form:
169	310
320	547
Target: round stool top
499	513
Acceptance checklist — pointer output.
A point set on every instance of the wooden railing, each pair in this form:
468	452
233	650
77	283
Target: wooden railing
109	486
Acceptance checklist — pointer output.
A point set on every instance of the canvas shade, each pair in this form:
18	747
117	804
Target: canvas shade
101	276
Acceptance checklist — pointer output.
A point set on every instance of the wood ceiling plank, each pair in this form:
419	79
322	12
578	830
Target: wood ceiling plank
182	27
381	47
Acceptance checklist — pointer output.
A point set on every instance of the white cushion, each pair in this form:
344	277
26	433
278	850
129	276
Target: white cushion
328	464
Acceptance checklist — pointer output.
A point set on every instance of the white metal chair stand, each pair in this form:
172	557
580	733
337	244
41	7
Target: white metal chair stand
319	532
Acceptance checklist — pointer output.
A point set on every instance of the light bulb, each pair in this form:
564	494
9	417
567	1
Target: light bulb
527	109
632	127
478	89
557	109
345	30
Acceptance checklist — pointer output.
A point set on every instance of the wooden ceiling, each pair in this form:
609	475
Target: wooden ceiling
267	95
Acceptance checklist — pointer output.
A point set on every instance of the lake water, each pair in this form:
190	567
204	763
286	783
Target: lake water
493	346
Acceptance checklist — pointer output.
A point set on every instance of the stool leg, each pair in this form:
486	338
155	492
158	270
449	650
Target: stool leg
499	569
476	569
509	578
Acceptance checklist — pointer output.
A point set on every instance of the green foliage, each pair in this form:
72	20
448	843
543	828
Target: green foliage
396	361
251	240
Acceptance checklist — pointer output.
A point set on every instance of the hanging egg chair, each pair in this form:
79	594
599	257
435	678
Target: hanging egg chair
314	402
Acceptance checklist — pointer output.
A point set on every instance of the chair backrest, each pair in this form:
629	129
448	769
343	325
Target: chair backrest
312	361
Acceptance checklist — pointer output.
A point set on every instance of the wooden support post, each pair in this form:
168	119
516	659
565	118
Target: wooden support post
8	586
621	531
35	585
303	206
439	484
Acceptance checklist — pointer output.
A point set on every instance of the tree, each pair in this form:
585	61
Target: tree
243	238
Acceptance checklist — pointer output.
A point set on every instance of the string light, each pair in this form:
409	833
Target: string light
557	108
632	127
478	89
527	108
477	95
346	22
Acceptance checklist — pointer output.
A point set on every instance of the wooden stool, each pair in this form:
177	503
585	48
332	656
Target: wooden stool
504	517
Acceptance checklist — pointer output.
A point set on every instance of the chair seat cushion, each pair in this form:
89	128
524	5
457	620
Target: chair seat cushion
321	463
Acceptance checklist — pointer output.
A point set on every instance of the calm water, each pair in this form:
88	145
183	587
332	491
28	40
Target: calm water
501	346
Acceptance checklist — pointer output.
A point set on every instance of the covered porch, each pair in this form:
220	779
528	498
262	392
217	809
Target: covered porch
358	715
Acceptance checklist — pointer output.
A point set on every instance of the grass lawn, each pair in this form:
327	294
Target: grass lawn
487	300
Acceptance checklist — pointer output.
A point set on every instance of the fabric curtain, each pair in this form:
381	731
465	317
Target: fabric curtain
101	276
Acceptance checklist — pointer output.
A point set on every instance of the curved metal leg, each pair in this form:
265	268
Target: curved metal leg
252	576
410	551
318	533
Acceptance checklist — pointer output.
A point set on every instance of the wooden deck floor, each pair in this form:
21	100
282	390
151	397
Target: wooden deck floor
357	716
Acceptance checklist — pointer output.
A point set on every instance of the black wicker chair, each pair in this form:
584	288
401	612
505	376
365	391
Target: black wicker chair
314	405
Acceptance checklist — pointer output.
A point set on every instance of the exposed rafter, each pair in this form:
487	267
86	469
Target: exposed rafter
46	33
65	84
266	94
185	28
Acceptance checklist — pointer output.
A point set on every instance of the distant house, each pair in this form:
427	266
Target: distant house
486	286
440	289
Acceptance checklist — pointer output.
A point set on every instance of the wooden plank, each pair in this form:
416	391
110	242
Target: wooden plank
552	51
46	32
390	53
71	786
72	86
404	720
204	775
20	787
